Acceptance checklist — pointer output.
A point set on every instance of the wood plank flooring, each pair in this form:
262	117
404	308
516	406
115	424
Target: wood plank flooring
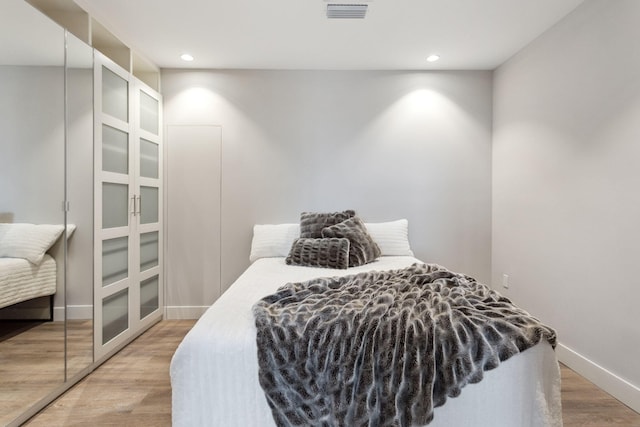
133	389
32	360
31	364
585	405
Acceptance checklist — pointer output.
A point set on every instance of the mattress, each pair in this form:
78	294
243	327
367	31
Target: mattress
21	281
214	371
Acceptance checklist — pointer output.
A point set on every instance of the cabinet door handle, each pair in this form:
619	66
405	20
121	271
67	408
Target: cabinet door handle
139	205
133	205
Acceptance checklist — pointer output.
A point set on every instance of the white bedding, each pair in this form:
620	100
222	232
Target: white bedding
214	372
21	280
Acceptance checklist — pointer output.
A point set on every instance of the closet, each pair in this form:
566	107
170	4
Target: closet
46	178
81	148
128	198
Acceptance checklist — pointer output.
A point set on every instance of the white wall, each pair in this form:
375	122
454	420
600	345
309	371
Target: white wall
32	149
192	218
390	145
32	143
79	92
32	164
566	188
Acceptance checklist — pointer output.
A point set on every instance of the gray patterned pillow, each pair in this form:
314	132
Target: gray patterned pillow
312	223
327	253
363	249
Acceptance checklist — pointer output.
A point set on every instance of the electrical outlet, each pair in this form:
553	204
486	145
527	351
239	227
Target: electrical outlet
505	281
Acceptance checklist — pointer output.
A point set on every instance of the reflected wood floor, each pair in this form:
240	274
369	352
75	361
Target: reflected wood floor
133	389
31	364
32	360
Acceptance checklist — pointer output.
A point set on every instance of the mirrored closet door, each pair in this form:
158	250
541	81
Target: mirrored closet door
80	175
32	247
79	187
46	210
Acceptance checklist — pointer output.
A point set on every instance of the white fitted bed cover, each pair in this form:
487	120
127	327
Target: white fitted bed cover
214	371
21	281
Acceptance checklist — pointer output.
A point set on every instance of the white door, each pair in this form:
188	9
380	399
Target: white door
148	220
128	236
114	209
193	218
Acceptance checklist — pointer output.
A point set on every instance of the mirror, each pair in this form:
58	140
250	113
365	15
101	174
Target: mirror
32	183
35	113
79	283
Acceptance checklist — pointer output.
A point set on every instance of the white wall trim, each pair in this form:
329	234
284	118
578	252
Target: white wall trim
184	313
618	387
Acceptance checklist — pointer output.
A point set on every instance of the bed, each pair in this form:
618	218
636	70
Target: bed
216	381
27	270
21	280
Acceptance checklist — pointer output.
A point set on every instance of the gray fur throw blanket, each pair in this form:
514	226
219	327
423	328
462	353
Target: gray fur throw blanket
383	348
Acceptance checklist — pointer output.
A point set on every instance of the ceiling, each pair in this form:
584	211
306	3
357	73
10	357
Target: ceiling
295	34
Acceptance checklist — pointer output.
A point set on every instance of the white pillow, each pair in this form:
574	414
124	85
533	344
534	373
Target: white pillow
28	241
273	240
392	237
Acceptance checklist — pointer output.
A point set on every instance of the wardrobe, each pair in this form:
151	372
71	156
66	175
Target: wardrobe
80	146
128	201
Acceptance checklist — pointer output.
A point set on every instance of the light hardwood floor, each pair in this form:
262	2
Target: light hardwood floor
33	347
133	389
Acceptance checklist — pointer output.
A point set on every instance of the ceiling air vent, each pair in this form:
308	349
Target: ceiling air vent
346	11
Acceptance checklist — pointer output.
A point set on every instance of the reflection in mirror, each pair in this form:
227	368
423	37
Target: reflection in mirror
32	302
79	75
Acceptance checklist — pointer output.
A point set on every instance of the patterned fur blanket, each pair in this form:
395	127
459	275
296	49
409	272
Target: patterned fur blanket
383	348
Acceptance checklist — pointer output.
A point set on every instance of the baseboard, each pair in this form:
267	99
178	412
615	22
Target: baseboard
184	313
618	387
82	312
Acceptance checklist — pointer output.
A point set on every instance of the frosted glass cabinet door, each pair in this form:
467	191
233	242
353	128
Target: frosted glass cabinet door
115	205
115	95
115	260
148	205
149	113
148	250
149	159
128	239
149	292
115	315
115	150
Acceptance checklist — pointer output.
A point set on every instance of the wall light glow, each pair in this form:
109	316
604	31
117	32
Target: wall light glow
433	58
186	57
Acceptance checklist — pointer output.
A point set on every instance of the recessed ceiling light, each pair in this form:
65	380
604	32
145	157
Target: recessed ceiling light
186	57
433	58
